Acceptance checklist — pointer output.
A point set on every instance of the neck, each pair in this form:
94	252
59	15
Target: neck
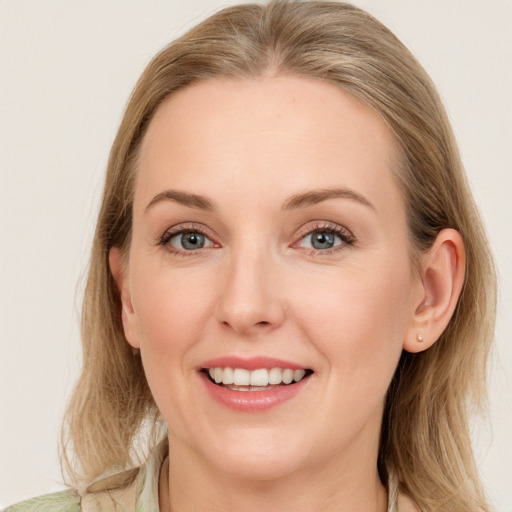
328	487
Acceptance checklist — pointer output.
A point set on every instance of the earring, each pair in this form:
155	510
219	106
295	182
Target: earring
419	338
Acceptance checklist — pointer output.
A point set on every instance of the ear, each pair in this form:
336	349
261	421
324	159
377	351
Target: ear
129	319
440	281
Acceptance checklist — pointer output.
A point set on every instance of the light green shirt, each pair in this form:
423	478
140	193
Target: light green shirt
141	495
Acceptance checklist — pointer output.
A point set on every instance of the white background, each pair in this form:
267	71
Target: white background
66	70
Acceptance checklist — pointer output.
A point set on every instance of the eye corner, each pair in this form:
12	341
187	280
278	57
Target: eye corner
200	239
334	238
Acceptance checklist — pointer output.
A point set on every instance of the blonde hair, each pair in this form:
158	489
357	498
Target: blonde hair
425	440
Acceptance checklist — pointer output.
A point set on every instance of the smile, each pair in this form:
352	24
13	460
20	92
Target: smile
260	379
254	384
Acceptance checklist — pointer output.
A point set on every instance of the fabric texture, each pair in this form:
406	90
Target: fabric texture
141	495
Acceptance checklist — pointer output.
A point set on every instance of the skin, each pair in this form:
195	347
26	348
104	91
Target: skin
259	288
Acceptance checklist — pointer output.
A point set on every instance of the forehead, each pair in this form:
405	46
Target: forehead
266	136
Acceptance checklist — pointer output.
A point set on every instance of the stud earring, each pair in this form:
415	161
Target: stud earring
419	338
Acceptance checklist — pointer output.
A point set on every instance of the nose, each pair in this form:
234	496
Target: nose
251	297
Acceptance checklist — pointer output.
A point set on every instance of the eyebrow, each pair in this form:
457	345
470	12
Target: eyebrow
317	196
184	198
309	198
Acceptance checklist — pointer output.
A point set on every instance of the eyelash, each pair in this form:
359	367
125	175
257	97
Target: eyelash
180	230
346	237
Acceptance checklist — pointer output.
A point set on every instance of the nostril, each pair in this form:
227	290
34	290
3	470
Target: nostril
263	323
246	321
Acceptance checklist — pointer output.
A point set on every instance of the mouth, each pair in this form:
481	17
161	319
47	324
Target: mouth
260	379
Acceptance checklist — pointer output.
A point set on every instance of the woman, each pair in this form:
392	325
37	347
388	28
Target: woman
289	281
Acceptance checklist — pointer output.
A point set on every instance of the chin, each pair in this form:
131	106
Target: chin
255	456
265	467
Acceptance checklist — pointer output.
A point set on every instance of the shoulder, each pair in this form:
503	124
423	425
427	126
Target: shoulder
65	501
110	494
115	493
134	489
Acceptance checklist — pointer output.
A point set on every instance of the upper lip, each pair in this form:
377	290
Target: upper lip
250	363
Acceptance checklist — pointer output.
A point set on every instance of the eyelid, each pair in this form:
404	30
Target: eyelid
319	225
345	235
186	227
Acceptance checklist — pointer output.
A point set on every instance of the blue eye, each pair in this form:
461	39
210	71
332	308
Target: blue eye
189	241
324	237
321	240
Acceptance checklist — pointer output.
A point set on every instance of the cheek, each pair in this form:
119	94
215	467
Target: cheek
168	309
357	321
170	312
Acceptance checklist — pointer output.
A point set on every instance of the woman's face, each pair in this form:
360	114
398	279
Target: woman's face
269	232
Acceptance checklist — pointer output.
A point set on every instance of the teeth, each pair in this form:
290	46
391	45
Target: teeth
241	377
259	377
298	375
275	376
255	378
228	376
287	376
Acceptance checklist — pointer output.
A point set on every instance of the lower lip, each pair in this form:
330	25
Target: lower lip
253	401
